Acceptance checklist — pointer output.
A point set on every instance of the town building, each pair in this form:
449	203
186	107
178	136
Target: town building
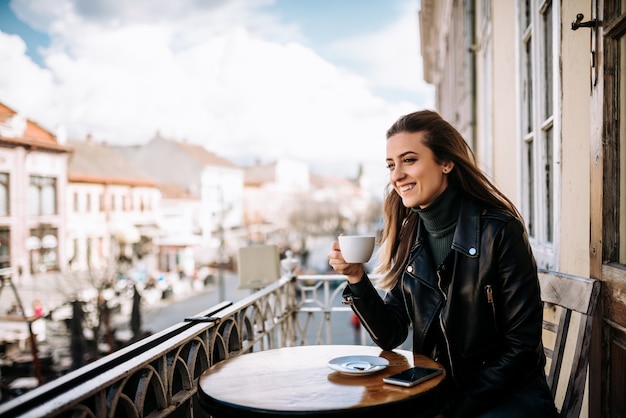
201	200
33	179
111	211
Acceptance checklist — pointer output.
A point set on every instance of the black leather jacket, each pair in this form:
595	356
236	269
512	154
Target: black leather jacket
480	309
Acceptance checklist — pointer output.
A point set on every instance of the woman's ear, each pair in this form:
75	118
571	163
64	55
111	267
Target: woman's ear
447	167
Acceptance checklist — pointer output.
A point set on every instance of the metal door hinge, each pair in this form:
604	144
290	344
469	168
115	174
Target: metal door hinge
578	23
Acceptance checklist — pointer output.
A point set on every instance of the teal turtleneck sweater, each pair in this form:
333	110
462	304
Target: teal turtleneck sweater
440	219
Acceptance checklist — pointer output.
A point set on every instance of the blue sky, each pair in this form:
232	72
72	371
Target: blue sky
325	20
9	23
322	22
318	80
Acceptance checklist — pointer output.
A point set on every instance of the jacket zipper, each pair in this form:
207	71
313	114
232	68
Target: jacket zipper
489	291
350	301
443	327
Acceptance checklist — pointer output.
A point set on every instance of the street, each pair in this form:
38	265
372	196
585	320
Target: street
165	313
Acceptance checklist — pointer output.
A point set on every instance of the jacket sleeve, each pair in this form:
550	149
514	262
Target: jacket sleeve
386	321
519	313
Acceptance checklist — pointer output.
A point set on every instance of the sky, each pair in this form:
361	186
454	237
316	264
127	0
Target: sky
319	81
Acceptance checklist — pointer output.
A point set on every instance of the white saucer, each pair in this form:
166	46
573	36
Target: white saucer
358	365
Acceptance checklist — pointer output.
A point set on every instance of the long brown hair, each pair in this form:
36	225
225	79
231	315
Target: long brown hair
400	222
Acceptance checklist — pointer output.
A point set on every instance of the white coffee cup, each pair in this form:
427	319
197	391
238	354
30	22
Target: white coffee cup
357	248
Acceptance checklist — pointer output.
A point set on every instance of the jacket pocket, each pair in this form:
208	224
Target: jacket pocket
491	302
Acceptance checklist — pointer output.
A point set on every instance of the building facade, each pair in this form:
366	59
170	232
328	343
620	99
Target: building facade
537	88
202	197
111	211
33	178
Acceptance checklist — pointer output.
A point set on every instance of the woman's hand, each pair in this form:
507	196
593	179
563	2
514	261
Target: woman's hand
353	271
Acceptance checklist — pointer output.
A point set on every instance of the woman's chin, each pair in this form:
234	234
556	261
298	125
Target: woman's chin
409	203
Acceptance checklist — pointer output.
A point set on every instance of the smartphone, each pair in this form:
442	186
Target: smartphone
413	376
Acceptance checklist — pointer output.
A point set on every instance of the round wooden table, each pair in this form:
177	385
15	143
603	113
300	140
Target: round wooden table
297	381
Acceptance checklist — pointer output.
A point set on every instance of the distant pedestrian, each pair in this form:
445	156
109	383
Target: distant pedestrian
37	308
15	309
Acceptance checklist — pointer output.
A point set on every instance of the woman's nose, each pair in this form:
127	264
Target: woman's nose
396	174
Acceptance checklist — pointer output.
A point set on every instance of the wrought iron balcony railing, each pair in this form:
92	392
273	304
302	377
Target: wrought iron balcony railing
157	376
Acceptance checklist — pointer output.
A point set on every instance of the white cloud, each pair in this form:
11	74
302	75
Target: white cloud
210	78
391	58
22	83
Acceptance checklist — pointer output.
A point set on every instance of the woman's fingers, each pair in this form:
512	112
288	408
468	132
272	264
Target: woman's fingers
335	259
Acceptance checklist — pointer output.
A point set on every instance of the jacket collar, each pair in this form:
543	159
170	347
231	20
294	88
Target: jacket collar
467	234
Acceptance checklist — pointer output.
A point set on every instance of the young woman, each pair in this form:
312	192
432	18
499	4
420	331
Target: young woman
458	268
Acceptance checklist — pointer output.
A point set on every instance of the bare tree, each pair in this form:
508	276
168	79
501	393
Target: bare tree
91	309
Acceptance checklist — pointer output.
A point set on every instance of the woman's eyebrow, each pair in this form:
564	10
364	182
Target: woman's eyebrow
404	154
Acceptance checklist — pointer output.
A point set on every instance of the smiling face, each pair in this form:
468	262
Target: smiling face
413	171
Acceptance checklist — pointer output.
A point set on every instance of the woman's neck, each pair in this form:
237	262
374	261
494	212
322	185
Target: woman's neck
440	218
441	215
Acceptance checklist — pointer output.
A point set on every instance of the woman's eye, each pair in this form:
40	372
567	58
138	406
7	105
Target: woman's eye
390	166
409	160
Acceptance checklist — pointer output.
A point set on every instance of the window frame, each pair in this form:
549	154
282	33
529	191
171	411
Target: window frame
40	189
539	177
5	187
5	247
44	257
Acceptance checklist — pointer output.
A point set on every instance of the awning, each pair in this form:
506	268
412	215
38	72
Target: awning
183	240
125	233
150	230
